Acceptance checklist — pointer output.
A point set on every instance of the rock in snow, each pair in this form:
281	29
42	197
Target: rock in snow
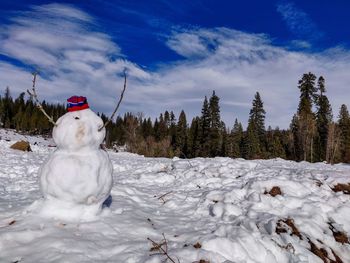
22	146
220	204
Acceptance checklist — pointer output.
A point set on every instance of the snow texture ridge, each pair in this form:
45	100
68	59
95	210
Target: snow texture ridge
222	205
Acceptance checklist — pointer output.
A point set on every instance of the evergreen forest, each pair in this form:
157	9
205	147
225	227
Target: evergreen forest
314	134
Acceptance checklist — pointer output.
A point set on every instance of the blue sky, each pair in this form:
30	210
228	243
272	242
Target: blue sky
177	52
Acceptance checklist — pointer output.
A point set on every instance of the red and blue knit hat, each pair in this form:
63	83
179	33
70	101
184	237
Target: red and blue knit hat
77	103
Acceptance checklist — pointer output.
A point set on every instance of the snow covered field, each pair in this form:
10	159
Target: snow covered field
209	210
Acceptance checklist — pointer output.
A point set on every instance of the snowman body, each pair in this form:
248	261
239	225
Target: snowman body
77	177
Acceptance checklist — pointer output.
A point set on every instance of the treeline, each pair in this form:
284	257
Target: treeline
313	134
206	135
23	115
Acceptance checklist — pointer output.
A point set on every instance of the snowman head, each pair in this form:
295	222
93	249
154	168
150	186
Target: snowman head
79	128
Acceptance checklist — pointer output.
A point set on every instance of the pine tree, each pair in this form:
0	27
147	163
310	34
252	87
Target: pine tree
323	120
181	136
8	110
251	143
19	103
295	145
147	128
172	130
167	118
1	111
163	130
120	132
224	134
308	90
24	116
194	138
344	128
270	142
274	143
17	119
205	129
215	132
257	115
255	138
235	141
307	125
156	130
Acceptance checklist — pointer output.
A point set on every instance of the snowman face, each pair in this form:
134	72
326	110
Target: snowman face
79	130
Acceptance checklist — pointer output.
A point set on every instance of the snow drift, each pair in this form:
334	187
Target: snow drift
214	210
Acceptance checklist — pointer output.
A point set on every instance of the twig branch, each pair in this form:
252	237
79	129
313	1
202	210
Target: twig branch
157	246
115	110
181	152
165	243
162	197
38	104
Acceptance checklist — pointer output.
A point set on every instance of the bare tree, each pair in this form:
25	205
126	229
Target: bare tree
332	143
306	135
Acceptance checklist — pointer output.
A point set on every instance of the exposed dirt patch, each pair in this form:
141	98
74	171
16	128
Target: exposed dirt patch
197	245
339	236
288	226
322	253
274	191
345	188
284	224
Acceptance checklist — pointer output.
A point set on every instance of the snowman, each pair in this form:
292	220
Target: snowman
77	178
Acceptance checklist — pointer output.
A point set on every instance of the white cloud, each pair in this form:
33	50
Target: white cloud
239	64
75	58
298	21
56	10
60	41
300	44
188	45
